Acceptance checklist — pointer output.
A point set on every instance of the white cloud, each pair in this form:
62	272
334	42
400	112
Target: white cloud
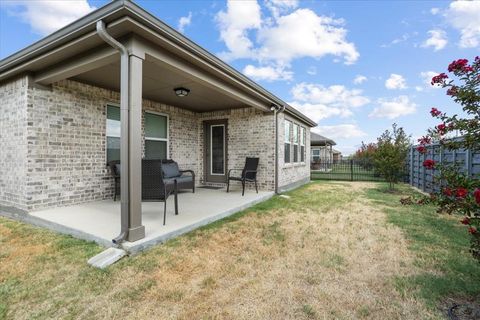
289	33
419	88
359	79
47	16
341	131
240	17
319	102
395	81
318	112
435	11
303	33
403	38
393	108
335	96
346	150
438	40
465	16
280	6
427	76
267	73
184	22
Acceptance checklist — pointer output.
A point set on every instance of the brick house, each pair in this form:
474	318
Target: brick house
321	149
61	102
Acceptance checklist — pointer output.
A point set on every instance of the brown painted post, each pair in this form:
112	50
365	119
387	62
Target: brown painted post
136	230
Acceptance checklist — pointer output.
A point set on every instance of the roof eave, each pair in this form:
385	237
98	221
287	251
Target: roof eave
87	24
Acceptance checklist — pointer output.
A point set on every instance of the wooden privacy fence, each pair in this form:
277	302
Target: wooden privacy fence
422	178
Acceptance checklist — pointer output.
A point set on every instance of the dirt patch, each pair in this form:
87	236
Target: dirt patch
461	308
17	254
286	265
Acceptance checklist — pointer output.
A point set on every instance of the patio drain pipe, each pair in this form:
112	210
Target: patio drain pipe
124	115
276	110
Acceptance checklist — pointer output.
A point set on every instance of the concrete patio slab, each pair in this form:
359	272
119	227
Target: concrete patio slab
99	221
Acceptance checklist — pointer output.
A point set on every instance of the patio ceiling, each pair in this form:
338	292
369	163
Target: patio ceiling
158	84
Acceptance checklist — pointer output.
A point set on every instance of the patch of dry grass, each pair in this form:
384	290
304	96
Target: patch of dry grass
325	253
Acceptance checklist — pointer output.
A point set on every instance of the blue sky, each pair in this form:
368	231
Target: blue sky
355	67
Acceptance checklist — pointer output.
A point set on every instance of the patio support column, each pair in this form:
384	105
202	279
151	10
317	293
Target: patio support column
136	230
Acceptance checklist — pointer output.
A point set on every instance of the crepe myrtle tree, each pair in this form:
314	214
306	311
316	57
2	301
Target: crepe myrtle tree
364	155
391	153
459	192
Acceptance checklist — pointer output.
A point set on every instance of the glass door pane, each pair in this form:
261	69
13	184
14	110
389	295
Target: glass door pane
217	145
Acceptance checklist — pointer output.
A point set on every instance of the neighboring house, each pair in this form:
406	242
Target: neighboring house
321	151
336	155
61	102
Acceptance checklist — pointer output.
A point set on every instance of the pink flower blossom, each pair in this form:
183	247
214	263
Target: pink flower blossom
435	112
465	221
476	195
448	192
429	164
422	149
439	79
461	193
458	65
441	128
425	140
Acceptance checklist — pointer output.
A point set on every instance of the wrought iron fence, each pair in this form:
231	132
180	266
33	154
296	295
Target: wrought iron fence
347	170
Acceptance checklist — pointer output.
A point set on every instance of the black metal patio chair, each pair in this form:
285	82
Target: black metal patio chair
115	171
172	172
155	187
249	174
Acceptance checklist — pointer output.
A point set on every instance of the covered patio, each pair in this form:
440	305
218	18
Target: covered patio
160	101
99	221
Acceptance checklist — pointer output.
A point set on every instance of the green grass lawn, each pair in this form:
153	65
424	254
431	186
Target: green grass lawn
440	244
333	250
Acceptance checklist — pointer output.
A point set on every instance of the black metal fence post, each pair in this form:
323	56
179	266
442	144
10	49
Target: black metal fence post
351	169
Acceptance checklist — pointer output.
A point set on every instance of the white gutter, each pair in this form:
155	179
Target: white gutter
124	134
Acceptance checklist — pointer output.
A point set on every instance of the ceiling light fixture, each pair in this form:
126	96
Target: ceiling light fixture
181	91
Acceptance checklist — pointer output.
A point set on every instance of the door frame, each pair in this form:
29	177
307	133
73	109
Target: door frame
209	178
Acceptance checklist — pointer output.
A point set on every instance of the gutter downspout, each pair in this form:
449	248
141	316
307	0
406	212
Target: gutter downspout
276	110
124	134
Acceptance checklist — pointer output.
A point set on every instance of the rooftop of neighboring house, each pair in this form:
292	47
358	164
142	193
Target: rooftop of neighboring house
319	140
334	151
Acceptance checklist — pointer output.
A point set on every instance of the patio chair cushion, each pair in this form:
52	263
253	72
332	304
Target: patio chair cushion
181	179
170	170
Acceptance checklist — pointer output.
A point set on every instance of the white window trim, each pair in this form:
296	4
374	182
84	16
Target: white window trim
296	134
167	140
290	124
302	136
211	150
289	132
